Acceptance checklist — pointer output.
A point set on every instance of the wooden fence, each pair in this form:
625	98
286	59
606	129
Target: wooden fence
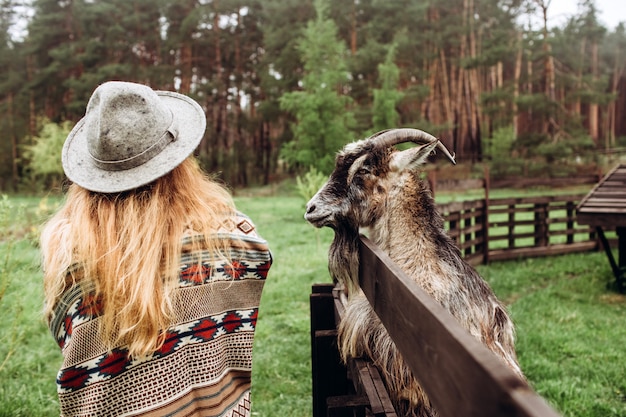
516	182
460	376
509	228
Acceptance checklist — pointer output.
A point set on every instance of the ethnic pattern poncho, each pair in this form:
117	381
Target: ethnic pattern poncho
203	368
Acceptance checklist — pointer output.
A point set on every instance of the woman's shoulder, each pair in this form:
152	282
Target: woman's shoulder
239	223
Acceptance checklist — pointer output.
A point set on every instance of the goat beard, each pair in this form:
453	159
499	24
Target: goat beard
343	257
361	332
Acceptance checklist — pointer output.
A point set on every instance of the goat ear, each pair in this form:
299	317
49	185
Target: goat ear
411	158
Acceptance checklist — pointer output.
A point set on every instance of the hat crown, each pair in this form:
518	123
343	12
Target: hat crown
125	123
130	136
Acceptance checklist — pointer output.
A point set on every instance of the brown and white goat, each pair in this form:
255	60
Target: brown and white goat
377	189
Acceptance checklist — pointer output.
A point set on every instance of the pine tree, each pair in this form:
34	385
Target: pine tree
11	82
320	108
385	115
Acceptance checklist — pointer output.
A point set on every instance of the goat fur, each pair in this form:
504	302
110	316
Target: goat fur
379	191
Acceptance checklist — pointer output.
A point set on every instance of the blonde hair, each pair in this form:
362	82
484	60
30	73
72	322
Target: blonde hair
129	245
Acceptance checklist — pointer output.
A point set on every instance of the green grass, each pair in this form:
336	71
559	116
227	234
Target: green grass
570	326
29	357
281	381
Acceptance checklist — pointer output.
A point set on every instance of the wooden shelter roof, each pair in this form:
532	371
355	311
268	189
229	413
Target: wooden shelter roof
605	204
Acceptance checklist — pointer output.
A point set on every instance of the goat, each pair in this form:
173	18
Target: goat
377	190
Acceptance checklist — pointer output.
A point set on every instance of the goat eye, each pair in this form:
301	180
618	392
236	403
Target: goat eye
363	171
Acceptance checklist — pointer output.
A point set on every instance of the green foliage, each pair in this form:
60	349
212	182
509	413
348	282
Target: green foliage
310	183
565	150
386	98
536	155
323	120
500	144
44	156
498	152
237	58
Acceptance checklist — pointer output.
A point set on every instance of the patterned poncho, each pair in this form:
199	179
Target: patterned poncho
204	366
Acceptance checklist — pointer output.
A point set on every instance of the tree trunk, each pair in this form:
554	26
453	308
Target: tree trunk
579	78
548	123
474	90
241	136
445	92
516	81
612	113
32	113
353	37
15	178
593	107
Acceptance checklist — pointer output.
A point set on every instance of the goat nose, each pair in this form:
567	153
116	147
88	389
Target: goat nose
310	208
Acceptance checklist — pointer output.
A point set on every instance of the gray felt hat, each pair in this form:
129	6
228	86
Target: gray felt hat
130	136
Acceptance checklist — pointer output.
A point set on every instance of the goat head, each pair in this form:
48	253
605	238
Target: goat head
357	182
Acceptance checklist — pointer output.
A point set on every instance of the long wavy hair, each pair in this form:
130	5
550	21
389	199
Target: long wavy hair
129	246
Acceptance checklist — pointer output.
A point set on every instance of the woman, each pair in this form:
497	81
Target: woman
152	278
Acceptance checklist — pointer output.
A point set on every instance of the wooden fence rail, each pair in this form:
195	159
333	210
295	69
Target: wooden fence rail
460	375
509	228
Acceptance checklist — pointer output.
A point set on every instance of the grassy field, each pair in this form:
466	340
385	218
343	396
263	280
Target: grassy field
571	331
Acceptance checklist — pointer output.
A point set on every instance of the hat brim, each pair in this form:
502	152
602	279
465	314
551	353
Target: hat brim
80	168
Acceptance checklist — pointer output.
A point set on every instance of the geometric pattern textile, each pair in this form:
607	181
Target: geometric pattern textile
203	368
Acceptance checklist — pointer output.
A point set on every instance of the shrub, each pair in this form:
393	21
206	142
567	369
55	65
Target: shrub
44	155
310	183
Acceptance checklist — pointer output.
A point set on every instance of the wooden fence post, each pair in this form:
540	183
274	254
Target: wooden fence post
541	224
511	228
454	226
485	217
467	224
329	376
570	210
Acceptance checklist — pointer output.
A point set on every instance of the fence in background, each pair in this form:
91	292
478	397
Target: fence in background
509	228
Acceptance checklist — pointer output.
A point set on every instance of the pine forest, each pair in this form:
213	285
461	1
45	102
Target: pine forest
286	83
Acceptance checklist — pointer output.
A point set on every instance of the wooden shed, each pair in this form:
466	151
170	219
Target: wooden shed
604	208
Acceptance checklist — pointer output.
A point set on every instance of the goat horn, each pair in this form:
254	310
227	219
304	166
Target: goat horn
393	137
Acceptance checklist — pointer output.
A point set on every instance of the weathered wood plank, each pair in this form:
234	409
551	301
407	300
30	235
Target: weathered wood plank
600	210
370	381
533	200
514	235
613	183
606	220
599	185
551	250
509	223
328	374
549	182
464	378
608	201
472	228
346	406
